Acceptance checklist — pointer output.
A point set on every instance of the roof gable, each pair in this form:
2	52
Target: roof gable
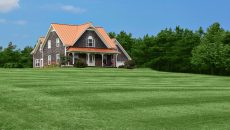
106	37
122	49
82	41
102	36
41	40
69	33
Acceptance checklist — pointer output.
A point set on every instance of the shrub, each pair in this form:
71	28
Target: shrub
64	60
12	65
80	64
130	64
121	66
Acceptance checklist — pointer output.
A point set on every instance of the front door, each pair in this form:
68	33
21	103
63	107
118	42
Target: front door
91	60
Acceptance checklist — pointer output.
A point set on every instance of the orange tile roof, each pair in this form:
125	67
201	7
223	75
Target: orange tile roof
69	34
95	50
106	37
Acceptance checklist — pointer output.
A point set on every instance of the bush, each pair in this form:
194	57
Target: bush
64	60
12	65
53	65
130	64
121	66
80	64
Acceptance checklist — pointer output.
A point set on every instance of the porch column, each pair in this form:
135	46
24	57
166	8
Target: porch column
73	54
88	59
102	60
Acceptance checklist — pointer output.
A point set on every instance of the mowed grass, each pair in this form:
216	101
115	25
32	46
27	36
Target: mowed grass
112	99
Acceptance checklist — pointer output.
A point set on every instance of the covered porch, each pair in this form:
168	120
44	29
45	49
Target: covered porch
94	57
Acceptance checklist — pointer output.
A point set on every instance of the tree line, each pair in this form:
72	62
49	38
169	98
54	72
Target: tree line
173	50
181	50
11	57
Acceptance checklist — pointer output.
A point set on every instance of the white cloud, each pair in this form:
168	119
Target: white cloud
72	9
8	5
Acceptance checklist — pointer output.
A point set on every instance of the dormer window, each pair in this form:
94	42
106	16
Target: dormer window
90	42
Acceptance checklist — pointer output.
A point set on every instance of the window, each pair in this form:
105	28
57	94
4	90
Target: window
37	63
57	42
49	44
90	42
49	59
57	58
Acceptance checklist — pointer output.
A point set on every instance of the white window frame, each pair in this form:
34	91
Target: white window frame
49	44
57	42
37	63
90	42
49	59
57	58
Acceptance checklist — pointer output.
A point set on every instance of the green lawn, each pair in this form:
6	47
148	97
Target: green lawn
113	99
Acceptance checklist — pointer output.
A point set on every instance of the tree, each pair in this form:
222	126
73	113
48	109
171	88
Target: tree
125	40
172	50
26	58
112	34
213	54
142	50
10	57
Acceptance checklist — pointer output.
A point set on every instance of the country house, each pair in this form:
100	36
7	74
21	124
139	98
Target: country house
79	42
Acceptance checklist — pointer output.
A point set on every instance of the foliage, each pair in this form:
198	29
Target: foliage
130	64
213	54
121	66
125	39
13	65
80	64
25	58
53	65
181	50
10	57
64	60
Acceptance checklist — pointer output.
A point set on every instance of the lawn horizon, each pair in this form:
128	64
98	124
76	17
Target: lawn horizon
111	98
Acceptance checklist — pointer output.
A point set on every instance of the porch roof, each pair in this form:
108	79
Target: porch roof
92	50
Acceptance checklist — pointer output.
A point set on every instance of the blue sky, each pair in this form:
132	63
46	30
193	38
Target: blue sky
23	21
